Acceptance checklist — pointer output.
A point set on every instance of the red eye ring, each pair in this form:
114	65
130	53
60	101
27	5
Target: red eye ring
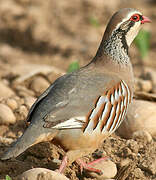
135	17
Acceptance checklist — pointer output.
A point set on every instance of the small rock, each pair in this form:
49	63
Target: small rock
3	130
27	71
138	173
143	85
144	135
41	174
23	111
5	91
53	76
132	145
152	74
108	168
29	101
140	116
19	100
39	84
149	165
6	140
125	162
23	91
126	152
6	115
12	103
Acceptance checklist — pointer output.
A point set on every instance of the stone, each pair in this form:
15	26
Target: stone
5	91
151	73
107	167
6	140
138	173
125	162
39	84
149	165
140	116
53	76
143	85
12	103
22	91
23	111
6	115
27	71
144	135
29	101
41	174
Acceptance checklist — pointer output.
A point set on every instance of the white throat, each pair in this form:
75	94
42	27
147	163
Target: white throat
132	33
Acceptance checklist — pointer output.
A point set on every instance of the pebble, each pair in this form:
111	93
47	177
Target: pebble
144	135
149	165
143	85
6	140
23	91
138	173
132	145
53	76
19	100
29	101
23	111
140	117
5	91
27	71
12	103
41	174
108	169
125	162
39	85
6	115
152	74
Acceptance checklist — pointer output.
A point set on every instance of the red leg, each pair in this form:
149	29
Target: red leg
84	165
97	161
63	164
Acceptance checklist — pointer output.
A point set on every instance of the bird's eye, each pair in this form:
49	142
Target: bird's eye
135	17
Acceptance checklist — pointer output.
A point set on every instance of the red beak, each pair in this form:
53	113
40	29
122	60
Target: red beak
145	20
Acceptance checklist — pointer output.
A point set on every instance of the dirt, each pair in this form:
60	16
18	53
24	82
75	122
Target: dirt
56	33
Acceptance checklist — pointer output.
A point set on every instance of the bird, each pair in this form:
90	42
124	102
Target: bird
79	110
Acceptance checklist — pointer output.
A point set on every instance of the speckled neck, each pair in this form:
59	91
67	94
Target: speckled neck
115	47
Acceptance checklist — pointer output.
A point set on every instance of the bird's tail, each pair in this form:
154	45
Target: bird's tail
31	136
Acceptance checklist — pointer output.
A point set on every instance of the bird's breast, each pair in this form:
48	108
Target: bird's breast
73	139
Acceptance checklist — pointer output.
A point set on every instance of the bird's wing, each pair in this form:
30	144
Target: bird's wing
44	104
40	98
74	101
106	115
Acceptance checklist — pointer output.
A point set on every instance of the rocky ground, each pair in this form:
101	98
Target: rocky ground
38	41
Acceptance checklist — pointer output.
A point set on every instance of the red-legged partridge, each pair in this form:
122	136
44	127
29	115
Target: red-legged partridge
81	109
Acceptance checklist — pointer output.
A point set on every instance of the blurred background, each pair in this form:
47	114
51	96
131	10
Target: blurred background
60	32
42	40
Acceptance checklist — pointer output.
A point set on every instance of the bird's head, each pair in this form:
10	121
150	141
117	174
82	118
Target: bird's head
126	23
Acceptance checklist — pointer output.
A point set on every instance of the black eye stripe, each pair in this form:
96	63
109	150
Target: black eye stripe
141	18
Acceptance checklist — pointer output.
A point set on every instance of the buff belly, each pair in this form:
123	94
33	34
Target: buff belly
74	139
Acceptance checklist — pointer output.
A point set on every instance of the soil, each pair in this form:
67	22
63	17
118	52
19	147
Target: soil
56	33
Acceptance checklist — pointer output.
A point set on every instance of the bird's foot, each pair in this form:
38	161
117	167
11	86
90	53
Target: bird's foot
90	166
63	165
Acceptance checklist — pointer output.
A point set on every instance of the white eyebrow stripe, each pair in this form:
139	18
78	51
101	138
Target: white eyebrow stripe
127	18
